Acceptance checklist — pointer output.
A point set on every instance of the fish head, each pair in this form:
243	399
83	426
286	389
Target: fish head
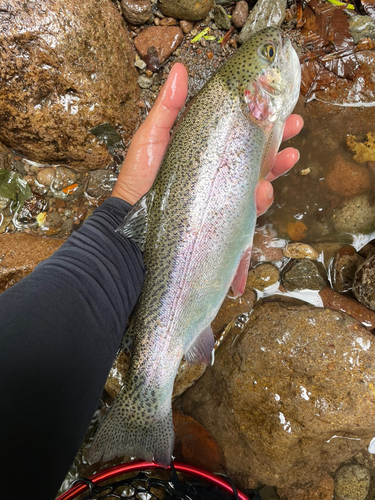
265	77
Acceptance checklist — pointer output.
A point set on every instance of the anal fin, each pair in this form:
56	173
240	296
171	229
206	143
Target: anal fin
200	350
239	282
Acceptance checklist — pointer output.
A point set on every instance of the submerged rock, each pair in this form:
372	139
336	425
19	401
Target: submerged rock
344	267
303	275
357	215
262	276
66	67
189	10
136	11
364	282
352	482
290	396
20	253
300	251
347	178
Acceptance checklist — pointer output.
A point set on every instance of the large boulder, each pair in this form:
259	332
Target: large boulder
289	397
65	67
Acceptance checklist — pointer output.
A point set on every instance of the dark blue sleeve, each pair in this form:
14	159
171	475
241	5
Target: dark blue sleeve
60	328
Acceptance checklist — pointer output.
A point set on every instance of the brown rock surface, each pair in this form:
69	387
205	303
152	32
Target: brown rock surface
347	178
189	10
65	68
136	11
20	253
364	282
286	392
164	39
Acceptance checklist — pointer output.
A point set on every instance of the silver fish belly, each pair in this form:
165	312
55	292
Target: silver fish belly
200	217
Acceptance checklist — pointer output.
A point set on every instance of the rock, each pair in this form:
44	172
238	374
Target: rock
163	39
347	178
361	27
186	26
189	10
343	268
285	392
222	20
364	283
266	246
265	13
300	251
45	176
240	14
232	308
68	69
357	215
144	82
303	275
344	303
262	277
168	21
19	165
20	253
32	207
66	228
352	482
323	491
63	177
140	64
136	11
6	157
101	183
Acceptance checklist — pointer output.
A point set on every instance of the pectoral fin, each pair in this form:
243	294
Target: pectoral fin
239	282
200	350
134	225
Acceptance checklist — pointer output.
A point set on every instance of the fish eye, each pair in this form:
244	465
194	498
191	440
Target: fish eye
268	52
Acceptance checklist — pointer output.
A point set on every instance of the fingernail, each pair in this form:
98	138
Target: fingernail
269	192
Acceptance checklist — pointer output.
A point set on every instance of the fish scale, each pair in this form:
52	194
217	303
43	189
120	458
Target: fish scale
200	217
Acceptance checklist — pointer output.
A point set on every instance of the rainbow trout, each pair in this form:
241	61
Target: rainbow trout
196	226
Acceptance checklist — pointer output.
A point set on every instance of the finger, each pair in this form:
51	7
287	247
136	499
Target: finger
148	146
293	126
285	160
263	197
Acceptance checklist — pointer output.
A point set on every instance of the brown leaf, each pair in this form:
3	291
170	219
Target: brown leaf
194	445
314	78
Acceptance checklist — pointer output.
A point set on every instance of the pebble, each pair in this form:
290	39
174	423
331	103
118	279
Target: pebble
66	228
136	11
352	482
100	183
168	21
303	275
163	39
364	282
189	10
221	18
63	177
265	247
343	268
6	157
240	14
186	26
262	276
344	303
144	82
19	165
347	178
140	64
300	251
45	176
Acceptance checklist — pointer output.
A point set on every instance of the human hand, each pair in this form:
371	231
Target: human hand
148	146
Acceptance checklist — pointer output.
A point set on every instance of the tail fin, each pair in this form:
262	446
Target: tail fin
137	428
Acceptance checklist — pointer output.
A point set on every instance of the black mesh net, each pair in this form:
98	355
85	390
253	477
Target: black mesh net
160	485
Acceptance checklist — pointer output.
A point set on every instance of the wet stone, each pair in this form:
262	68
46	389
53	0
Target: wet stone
19	165
265	13
144	82
136	11
364	282
140	64
163	39
6	157
31	208
265	247
284	386
323	491
344	266
352	482
222	20
361	27
262	276
63	177
101	183
168	21
303	275
45	176
189	10
186	26
67	228
300	251
240	14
